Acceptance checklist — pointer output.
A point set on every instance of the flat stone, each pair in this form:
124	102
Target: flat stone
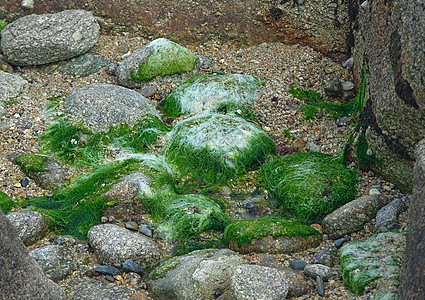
108	270
131	266
297	264
314	270
387	216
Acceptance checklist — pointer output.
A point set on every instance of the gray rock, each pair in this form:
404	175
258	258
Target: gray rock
31	225
347	86
102	105
92	289
325	257
57	262
131	266
344	121
132	225
312	147
352	216
21	277
107	270
205	62
113	245
340	242
167	53
348	63
320	286
146	230
41	39
132	278
314	270
297	265
257	282
27	4
333	88
53	177
80	66
111	69
149	91
185	277
11	86
387	216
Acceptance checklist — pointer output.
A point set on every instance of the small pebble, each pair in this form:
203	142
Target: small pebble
374	192
104	219
132	225
320	286
239	55
340	242
146	230
24	182
369	152
297	264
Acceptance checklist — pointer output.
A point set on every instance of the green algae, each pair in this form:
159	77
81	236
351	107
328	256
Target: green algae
6	204
309	185
216	148
31	162
363	265
244	231
168	58
181	217
75	210
169	264
335	111
72	143
220	93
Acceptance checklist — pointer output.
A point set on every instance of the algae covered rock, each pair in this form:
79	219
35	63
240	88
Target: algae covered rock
6	203
159	58
373	263
216	147
309	185
212	92
185	216
270	235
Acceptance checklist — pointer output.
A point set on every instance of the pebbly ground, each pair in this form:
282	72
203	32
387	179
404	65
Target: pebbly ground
277	64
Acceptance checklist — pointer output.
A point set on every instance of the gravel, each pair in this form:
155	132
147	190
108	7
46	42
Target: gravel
277	64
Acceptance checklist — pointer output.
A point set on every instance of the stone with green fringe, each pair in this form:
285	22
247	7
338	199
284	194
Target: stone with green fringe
229	93
216	148
270	235
309	185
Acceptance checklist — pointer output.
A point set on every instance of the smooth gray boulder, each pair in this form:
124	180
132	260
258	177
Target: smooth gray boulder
197	275
31	226
160	59
258	282
102	105
57	262
42	39
92	289
21	277
113	245
11	86
314	270
352	216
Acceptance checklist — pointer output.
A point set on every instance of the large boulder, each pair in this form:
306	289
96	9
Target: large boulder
216	147
102	105
197	275
389	44
160	58
113	245
412	281
21	277
42	39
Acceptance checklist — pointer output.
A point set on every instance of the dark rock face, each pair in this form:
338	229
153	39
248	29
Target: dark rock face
389	41
412	281
321	24
21	277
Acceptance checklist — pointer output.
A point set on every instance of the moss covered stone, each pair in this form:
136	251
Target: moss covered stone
227	93
166	58
373	263
216	147
6	203
181	217
271	235
309	185
32	162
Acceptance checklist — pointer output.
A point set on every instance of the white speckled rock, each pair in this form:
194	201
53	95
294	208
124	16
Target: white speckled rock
31	225
41	39
113	245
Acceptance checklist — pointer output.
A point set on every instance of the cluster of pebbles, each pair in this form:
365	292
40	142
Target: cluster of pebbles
276	64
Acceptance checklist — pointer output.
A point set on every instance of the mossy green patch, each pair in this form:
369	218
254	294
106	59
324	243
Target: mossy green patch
363	263
3	24
6	204
244	231
216	148
165	267
336	111
32	162
181	217
75	210
72	143
227	93
309	185
167	58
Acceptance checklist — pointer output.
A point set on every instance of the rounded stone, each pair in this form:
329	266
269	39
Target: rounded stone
31	226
